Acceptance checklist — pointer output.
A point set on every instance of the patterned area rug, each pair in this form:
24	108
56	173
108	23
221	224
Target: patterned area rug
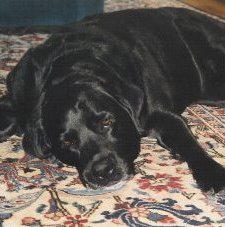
163	193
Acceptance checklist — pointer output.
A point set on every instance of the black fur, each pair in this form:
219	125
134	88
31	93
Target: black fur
88	94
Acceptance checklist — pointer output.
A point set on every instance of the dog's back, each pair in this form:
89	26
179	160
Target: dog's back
186	47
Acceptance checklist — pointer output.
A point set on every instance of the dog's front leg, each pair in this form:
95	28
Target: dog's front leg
172	131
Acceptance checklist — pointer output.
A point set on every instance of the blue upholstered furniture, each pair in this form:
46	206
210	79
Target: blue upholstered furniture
46	12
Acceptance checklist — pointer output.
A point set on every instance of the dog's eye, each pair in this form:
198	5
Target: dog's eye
106	122
68	143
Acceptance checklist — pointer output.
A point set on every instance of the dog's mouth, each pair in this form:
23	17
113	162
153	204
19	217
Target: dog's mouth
106	172
99	191
106	184
112	186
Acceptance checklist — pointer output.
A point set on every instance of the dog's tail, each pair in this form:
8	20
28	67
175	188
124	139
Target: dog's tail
8	125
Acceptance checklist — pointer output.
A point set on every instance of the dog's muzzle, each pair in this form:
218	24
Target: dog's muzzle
104	171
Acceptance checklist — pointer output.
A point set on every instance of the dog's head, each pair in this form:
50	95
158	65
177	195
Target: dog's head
89	129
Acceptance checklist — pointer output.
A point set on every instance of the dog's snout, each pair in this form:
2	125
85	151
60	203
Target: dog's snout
103	173
103	169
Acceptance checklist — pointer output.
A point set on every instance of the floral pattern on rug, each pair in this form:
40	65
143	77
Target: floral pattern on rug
38	193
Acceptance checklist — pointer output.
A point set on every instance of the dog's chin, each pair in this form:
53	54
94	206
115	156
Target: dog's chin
114	185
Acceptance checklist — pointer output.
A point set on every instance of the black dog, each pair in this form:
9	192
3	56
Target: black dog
89	94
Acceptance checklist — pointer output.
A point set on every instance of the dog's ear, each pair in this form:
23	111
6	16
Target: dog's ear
35	141
8	124
131	100
25	85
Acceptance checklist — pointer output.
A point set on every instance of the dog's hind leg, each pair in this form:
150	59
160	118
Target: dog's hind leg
8	125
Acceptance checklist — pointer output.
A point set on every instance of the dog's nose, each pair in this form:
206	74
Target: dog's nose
104	173
103	170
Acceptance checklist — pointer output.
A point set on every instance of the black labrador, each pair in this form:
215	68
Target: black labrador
88	94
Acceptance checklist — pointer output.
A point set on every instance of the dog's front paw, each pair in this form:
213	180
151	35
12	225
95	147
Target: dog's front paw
210	176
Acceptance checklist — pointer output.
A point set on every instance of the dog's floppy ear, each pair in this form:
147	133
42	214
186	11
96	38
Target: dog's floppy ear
8	124
131	100
25	85
35	140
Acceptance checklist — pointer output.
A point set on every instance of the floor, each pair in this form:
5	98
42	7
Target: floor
215	7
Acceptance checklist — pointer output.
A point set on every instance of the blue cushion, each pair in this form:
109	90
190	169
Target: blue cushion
46	12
